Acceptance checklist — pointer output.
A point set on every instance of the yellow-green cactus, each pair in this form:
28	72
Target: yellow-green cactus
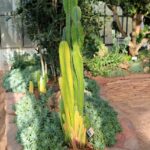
72	81
72	95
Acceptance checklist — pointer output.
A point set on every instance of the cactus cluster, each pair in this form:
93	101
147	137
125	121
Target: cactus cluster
72	81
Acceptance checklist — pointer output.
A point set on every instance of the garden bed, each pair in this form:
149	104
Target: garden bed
123	139
116	64
28	102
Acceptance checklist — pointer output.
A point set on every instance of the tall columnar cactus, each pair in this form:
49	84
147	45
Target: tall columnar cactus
72	102
71	80
73	29
75	37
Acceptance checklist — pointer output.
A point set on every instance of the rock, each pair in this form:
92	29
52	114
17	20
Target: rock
124	66
146	69
146	60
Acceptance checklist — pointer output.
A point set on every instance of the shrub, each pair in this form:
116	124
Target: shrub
91	18
44	23
103	119
17	80
23	60
24	67
136	67
144	53
120	46
103	66
118	72
38	128
91	88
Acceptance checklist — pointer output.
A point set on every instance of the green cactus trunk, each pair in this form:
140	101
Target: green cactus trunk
72	80
75	37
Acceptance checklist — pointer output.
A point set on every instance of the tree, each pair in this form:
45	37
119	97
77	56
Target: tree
44	22
137	10
92	24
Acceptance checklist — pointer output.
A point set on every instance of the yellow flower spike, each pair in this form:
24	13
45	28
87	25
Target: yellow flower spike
42	85
31	87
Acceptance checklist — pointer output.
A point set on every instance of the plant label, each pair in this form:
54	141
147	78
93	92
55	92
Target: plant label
90	132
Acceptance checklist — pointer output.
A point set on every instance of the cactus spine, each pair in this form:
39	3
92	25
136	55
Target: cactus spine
72	81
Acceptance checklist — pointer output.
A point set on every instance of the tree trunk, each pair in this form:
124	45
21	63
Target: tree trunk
136	29
117	20
136	25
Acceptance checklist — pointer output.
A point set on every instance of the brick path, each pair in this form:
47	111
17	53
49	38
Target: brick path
11	129
7	126
2	116
130	96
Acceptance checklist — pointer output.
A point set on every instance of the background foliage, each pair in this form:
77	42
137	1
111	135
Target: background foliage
105	65
44	21
92	25
25	67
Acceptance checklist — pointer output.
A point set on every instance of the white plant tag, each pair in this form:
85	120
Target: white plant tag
134	58
90	132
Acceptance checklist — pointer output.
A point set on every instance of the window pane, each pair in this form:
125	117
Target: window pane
5	6
8	5
10	32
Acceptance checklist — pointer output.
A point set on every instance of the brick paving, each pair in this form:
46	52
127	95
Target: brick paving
11	129
130	96
2	116
8	128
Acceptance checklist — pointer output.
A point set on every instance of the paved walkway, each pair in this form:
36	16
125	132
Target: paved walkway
2	117
130	96
7	126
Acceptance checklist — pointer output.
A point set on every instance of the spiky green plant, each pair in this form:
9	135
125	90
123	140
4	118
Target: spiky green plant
71	80
72	99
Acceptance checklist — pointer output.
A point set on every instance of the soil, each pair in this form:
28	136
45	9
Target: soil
130	96
2	116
